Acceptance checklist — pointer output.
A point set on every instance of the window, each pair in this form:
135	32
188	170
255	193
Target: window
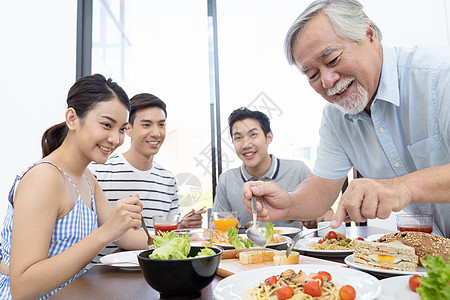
164	48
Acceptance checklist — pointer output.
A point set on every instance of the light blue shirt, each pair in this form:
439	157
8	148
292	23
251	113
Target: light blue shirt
409	128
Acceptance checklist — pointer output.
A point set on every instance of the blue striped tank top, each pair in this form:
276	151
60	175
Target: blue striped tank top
73	227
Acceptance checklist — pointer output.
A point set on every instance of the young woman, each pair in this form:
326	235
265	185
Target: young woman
61	217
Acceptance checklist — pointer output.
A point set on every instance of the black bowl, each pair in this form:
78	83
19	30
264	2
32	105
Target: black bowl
180	278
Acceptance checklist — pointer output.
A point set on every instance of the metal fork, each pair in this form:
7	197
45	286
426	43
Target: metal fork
149	238
301	235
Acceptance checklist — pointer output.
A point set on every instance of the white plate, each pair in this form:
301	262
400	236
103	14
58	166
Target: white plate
284	230
235	286
374	237
397	288
244	236
382	272
126	260
302	245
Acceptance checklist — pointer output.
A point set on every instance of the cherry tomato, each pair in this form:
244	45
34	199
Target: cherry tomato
271	280
347	292
341	237
360	238
331	235
319	279
312	288
285	292
320	241
414	282
326	276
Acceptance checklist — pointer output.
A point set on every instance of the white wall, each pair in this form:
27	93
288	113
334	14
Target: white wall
37	60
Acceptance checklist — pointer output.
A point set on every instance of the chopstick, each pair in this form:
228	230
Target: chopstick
190	214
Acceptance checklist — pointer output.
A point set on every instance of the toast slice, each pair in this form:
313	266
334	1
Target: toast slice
257	256
281	259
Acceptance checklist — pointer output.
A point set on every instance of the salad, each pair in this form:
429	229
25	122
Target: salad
240	243
171	246
436	285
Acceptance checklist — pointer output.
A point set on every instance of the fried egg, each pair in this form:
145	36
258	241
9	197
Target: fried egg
389	259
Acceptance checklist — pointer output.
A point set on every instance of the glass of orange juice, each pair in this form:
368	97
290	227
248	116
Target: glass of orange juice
224	219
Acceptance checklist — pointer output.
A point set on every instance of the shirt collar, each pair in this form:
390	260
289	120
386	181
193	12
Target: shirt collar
388	88
270	175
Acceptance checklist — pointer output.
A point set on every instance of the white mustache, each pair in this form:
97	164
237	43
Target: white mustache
339	86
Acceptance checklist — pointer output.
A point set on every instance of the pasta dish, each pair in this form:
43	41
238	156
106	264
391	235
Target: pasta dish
332	245
333	241
292	285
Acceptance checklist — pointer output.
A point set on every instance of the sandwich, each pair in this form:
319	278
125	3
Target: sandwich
424	243
389	256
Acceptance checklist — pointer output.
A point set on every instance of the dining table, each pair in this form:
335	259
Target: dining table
108	282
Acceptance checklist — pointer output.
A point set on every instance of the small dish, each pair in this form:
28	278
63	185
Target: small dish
303	246
283	230
397	288
126	260
382	272
244	236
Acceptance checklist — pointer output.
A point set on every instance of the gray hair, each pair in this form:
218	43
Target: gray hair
346	16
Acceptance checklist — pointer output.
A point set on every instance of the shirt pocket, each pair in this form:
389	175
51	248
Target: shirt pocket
429	153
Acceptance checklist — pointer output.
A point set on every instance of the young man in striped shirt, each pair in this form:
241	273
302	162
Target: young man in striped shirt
135	170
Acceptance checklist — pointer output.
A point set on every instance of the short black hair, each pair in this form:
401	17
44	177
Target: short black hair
243	113
144	100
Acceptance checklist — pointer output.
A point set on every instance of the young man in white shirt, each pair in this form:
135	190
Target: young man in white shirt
135	170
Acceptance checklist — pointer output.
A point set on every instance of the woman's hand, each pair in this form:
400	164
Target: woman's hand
126	214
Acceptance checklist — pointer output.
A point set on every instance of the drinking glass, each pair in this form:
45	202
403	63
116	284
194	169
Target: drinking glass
224	219
423	223
198	236
165	223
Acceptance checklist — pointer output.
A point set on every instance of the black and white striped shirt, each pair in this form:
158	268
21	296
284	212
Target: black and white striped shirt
157	188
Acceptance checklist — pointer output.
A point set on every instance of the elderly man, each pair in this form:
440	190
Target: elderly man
388	116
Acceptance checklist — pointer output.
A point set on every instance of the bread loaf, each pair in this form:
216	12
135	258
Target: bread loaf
281	259
257	256
423	243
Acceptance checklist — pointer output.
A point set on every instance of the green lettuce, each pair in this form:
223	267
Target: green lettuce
269	233
170	246
235	239
436	284
205	252
240	243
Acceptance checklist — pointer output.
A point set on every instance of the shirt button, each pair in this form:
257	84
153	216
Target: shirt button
381	129
397	164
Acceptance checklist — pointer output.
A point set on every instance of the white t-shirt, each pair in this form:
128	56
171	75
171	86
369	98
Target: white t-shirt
157	188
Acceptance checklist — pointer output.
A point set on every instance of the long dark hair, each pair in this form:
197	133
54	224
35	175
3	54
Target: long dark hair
82	97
